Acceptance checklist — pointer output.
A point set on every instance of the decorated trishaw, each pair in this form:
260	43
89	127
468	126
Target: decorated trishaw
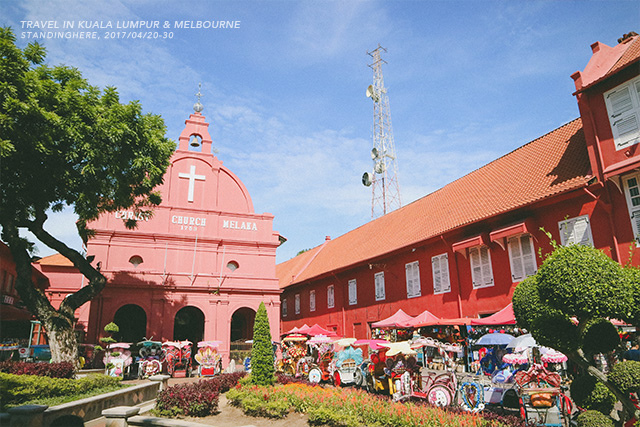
293	349
408	381
117	359
149	359
370	374
542	399
208	358
177	357
321	359
346	362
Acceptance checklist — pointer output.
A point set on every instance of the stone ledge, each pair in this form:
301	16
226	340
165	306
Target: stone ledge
141	420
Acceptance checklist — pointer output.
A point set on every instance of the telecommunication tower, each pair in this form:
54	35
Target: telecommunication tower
385	190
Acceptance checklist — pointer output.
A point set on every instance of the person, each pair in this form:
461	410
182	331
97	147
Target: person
633	353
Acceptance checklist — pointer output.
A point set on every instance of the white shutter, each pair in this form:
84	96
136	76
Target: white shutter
576	231
623	109
353	295
528	256
517	270
487	274
413	279
437	282
444	271
379	285
635	222
312	300
476	268
297	304
330	297
440	264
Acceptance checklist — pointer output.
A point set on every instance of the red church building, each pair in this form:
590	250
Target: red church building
461	250
197	269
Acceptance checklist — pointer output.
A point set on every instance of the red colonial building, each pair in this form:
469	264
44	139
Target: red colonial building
198	269
461	250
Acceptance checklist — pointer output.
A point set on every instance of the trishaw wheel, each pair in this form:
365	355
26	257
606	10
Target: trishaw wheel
439	395
315	375
358	377
336	379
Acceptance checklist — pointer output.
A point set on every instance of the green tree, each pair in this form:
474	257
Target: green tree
262	367
567	306
65	142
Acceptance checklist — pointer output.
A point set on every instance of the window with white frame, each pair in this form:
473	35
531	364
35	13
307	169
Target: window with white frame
623	107
284	307
440	267
481	273
522	257
412	272
353	292
296	304
632	193
312	300
575	231
330	297
378	279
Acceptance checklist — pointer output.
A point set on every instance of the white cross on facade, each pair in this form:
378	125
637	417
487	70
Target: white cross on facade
192	177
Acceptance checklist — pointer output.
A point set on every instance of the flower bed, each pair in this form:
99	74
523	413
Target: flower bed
346	407
43	369
195	399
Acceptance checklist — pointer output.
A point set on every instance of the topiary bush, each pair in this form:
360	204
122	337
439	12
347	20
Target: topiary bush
626	376
43	369
585	282
262	368
600	336
589	393
594	419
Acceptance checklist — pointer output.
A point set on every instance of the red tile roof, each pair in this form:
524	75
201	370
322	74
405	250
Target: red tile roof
552	164
56	260
606	61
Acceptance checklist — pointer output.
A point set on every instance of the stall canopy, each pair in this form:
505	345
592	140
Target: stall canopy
316	330
295	330
502	317
399	320
426	318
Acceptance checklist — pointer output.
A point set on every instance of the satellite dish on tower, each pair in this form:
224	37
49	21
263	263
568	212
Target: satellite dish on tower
379	168
367	179
374	153
371	93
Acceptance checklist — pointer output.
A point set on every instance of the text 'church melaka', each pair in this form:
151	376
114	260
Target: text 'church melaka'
197	269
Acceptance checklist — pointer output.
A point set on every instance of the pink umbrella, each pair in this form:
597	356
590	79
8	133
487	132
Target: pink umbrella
399	320
515	358
553	356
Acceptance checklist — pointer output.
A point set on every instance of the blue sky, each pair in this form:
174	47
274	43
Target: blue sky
468	81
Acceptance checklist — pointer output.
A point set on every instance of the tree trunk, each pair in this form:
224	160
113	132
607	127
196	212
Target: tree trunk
63	343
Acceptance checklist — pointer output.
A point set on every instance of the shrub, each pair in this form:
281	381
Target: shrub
590	393
262	369
600	336
626	376
594	419
43	369
195	399
19	389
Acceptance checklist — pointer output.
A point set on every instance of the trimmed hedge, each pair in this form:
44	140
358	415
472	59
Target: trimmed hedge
19	389
589	393
198	399
43	369
626	376
594	419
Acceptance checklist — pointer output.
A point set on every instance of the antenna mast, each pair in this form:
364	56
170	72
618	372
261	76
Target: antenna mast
385	191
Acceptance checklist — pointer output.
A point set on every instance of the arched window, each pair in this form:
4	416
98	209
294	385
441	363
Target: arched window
135	260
